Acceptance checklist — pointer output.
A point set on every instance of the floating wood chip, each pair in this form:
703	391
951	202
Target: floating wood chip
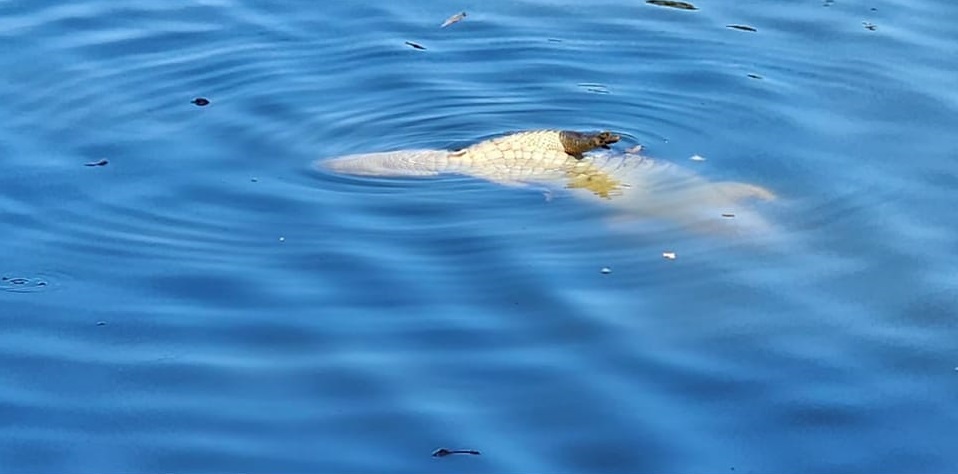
741	27
668	255
454	19
415	45
97	163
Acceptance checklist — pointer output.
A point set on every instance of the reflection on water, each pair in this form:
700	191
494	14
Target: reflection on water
206	302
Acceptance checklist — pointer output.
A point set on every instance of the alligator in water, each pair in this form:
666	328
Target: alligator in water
578	162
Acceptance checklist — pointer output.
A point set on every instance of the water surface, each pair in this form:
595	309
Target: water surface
205	302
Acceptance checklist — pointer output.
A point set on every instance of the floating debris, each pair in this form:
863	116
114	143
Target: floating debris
554	40
22	284
282	239
668	255
672	4
869	26
200	101
741	27
254	180
453	19
445	452
101	323
415	45
635	150
728	215
754	76
595	88
606	270
697	158
97	163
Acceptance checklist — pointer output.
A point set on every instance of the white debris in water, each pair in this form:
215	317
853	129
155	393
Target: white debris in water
453	19
668	255
697	158
282	239
606	270
634	150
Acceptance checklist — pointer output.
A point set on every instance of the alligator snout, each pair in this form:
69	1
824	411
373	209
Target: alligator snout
604	139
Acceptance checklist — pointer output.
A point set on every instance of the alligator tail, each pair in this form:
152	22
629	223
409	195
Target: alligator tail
393	163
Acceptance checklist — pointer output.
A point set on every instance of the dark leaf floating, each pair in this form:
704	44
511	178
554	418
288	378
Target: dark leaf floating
742	27
445	452
672	4
454	19
414	45
200	101
97	163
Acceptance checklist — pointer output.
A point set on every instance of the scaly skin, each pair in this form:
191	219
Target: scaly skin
635	184
511	159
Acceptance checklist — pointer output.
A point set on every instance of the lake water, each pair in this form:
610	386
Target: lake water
206	302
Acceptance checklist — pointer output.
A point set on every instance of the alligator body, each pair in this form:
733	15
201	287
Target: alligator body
578	162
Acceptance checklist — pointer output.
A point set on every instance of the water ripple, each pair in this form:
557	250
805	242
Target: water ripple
205	302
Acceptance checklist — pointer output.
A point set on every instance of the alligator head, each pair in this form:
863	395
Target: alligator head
577	143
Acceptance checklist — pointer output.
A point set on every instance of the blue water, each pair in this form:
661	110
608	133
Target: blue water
207	303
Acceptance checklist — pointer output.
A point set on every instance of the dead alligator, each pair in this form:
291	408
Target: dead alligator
636	184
